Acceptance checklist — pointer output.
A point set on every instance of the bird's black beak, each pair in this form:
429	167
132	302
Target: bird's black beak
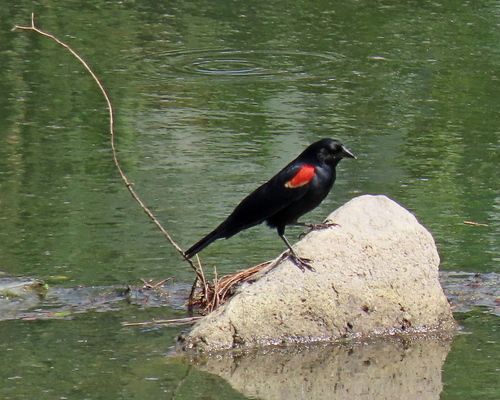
347	153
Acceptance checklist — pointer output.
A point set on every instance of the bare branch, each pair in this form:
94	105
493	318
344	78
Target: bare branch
128	184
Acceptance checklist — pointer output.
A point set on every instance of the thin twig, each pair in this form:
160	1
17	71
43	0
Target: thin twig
150	284
189	320
215	301
474	223
128	184
204	282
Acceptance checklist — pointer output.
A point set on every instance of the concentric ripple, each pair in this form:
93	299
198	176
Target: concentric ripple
248	62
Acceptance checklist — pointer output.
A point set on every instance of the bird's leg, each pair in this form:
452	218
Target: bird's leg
313	227
300	262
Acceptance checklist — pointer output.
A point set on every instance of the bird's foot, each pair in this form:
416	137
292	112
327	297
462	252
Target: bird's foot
315	227
302	263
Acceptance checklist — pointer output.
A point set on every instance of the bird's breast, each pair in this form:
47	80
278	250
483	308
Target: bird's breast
322	181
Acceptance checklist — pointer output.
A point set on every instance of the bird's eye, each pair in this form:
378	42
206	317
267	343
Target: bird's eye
337	148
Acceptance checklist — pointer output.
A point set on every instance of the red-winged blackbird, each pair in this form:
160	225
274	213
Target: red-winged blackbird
297	189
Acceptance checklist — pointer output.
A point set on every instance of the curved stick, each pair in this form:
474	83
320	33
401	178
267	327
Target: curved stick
113	143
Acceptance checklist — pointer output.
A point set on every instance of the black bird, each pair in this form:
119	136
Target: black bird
294	191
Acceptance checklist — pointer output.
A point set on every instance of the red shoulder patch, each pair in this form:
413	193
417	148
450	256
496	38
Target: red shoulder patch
301	178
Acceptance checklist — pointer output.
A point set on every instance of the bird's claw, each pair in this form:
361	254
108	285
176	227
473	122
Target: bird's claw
302	263
314	227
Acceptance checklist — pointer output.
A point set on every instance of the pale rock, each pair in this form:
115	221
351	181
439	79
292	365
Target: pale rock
376	274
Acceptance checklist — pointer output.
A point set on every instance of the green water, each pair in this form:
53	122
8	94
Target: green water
211	99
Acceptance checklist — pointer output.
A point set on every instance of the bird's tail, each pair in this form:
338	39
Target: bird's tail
197	247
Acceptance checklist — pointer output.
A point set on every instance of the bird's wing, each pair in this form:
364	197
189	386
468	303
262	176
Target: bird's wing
287	186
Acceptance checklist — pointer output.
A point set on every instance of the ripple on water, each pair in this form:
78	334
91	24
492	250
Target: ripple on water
249	62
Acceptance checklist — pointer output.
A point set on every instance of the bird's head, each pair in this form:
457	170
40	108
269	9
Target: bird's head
330	151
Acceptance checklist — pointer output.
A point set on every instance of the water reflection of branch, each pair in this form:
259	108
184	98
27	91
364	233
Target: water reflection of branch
181	383
128	184
394	369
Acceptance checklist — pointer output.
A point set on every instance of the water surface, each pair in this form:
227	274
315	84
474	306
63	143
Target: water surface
211	100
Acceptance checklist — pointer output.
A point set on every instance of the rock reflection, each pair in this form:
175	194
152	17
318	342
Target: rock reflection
395	369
